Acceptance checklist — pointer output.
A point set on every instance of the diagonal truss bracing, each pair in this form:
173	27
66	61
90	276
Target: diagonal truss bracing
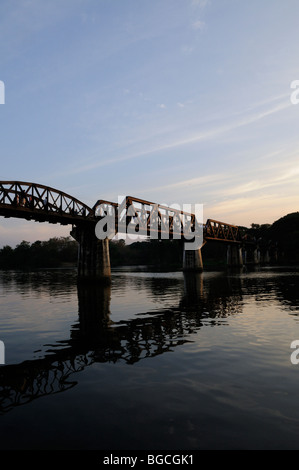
41	203
164	221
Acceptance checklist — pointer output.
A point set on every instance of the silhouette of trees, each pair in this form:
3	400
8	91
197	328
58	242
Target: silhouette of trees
150	252
286	232
283	234
51	253
56	252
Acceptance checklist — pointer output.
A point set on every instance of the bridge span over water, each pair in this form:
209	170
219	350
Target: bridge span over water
40	203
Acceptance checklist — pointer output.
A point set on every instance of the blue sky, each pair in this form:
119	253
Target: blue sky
173	101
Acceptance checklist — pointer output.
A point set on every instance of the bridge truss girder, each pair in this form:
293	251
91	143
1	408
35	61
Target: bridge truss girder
41	203
162	221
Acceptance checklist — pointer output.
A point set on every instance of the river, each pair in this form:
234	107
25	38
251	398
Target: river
157	360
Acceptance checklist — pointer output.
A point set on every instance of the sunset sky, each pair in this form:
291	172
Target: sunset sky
173	101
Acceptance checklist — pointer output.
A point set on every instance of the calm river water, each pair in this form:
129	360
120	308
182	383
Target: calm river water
156	361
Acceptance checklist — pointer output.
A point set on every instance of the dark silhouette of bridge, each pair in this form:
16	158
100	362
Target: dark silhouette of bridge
42	203
95	338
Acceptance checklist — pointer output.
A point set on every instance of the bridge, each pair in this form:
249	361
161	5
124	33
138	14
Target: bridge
40	203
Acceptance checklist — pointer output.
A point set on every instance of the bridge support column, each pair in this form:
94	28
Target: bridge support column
253	255
234	255
256	256
93	255
192	260
266	257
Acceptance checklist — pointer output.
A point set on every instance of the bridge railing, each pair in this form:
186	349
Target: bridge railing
168	222
158	218
152	218
147	218
132	215
221	231
35	198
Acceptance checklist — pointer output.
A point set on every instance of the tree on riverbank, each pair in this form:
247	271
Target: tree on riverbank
64	250
51	253
283	233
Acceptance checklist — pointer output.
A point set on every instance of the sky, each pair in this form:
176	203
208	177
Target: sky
172	101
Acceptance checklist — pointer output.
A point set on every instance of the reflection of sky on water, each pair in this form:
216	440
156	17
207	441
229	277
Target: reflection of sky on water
193	362
139	293
36	309
41	308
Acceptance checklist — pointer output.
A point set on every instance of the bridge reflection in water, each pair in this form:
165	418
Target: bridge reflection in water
96	338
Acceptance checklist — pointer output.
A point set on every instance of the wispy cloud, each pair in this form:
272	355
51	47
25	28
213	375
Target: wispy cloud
199	25
185	140
187	50
259	208
200	3
199	181
289	176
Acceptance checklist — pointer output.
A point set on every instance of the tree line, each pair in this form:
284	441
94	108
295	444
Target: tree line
63	251
51	253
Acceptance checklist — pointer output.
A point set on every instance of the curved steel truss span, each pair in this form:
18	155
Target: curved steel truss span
32	201
41	203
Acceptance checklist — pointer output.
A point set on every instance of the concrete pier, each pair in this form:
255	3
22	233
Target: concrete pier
252	255
266	257
192	261
234	255
93	255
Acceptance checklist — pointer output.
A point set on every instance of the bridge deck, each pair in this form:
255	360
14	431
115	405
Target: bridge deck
50	215
41	203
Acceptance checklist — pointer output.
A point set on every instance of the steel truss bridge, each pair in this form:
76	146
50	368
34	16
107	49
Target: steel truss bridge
40	203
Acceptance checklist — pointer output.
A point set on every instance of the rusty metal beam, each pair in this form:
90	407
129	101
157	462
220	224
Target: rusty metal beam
161	219
150	217
41	203
221	231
